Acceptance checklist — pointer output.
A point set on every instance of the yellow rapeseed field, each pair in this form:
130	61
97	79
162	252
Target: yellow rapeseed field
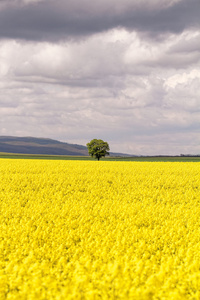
99	230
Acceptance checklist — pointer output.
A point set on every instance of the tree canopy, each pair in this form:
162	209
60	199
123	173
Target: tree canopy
98	148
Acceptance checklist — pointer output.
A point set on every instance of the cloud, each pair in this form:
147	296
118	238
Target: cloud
124	71
48	21
105	60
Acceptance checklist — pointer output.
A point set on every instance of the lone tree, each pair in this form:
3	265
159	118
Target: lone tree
98	148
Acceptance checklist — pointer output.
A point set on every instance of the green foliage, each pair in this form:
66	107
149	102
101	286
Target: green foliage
98	148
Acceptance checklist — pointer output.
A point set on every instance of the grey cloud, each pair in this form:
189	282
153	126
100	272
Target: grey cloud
53	20
76	115
185	45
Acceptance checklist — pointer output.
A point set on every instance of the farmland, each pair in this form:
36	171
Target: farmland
107	158
99	230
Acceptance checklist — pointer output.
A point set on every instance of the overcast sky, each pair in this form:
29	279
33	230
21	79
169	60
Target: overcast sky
127	72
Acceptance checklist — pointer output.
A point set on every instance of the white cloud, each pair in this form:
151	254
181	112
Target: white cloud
183	78
32	1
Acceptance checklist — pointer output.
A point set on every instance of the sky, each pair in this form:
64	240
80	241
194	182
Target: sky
127	72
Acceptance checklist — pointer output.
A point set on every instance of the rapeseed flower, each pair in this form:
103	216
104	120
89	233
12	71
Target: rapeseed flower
106	230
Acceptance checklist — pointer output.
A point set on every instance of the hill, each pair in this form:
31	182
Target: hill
45	146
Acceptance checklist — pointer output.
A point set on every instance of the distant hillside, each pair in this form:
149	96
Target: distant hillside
32	145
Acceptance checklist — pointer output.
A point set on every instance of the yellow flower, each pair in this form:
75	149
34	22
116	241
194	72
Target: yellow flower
112	230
